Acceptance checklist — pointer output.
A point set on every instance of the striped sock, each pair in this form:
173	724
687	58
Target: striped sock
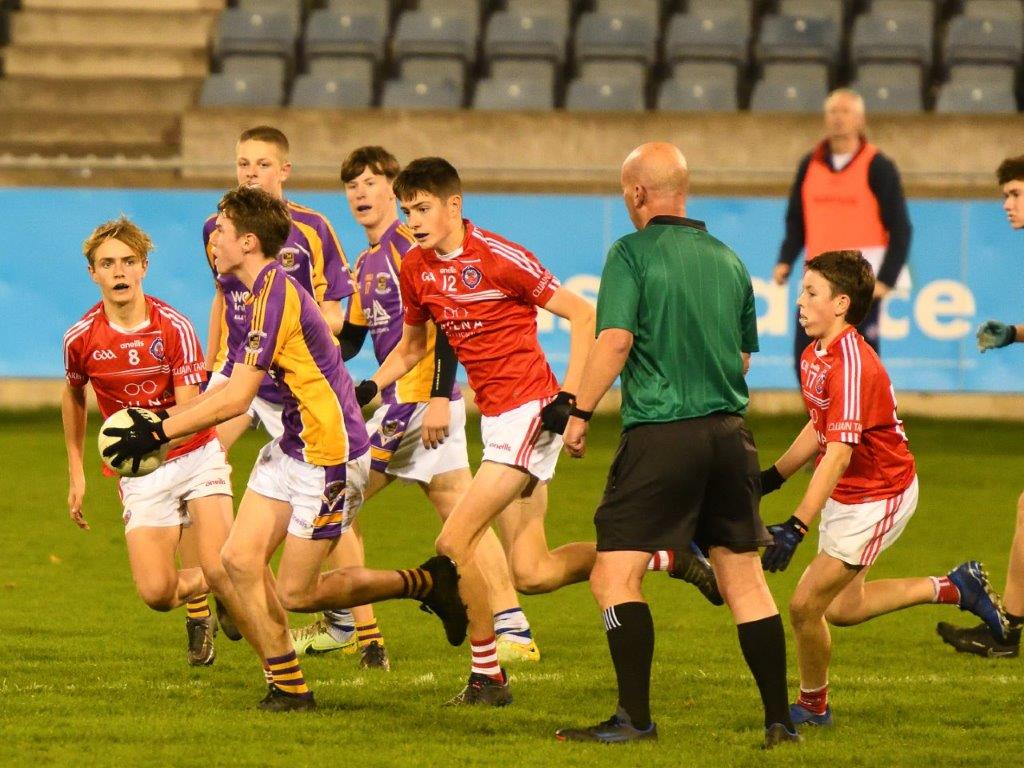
485	658
198	607
662	560
815	700
416	583
369	633
945	590
512	623
268	675
340	624
287	675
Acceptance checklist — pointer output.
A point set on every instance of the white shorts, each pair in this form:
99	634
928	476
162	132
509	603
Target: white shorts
262	412
324	500
396	448
516	438
857	533
159	499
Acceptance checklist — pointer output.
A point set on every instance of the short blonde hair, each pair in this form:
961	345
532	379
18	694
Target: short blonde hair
122	229
857	99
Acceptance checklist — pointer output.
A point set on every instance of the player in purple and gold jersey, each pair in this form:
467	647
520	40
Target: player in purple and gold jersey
308	484
418	434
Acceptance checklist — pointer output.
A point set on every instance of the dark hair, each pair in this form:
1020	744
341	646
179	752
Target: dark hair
433	175
255	212
268	134
377	159
1011	169
849	273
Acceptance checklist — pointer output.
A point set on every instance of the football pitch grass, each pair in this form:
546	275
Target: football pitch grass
91	676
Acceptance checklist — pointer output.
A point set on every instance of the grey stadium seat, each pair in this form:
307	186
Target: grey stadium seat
434	33
887	74
793	38
269	67
919	11
291	8
718	35
526	33
975	98
242	32
509	93
327	92
231	90
790	88
559	9
619	36
345	33
742	8
411	94
427	69
814	9
342	68
992	75
1010	10
537	70
468	9
645	9
983	40
700	87
890	37
890	98
381	8
604	95
602	69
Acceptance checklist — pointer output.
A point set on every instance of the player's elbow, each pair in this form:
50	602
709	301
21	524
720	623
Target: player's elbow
617	340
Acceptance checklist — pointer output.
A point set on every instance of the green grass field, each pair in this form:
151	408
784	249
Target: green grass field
92	677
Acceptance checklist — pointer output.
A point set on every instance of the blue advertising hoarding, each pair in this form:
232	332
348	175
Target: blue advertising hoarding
965	266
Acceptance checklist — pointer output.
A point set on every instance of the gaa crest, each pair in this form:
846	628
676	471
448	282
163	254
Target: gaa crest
471	277
382	282
287	259
254	341
333	492
156	349
390	428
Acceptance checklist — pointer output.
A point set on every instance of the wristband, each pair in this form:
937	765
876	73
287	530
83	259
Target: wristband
798	524
579	413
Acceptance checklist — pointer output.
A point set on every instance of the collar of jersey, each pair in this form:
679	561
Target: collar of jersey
679	221
261	278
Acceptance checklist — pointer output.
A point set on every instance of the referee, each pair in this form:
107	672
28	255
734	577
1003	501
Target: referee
676	318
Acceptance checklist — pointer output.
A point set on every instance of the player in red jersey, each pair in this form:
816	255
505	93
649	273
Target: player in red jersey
864	484
138	351
484	292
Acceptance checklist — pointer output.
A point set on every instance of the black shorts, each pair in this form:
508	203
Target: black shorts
682	481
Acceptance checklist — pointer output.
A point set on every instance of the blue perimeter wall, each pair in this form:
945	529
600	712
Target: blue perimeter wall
965	266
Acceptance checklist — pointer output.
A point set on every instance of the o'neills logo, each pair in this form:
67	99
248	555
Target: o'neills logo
844	426
500	446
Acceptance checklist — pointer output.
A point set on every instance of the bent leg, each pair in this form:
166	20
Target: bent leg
157	579
1013	598
862	600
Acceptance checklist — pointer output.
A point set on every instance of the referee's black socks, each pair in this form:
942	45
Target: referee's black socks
630	632
764	647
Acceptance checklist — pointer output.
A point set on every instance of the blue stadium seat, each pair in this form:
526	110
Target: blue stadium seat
975	99
428	69
233	90
410	94
890	74
326	92
242	32
604	95
890	98
502	93
345	33
716	35
525	33
620	36
795	38
891	37
537	70
700	87
434	33
991	41
790	88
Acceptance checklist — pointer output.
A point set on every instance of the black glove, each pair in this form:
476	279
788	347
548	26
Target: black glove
787	536
137	441
555	415
771	480
366	390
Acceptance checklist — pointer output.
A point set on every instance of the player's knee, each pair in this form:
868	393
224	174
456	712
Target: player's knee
446	546
837	617
216	576
293	597
803	611
237	562
158	595
529	582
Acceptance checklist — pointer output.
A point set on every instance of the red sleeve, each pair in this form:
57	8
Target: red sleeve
843	420
184	354
409	283
74	362
522	274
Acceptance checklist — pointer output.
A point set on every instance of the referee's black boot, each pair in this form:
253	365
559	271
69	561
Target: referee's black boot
615	730
692	567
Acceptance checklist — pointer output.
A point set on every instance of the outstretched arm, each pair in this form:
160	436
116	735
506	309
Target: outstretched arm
73	415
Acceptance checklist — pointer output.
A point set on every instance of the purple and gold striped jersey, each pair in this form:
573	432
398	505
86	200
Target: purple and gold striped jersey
311	254
289	338
377	304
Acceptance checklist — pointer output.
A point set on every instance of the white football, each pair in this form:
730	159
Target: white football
149	462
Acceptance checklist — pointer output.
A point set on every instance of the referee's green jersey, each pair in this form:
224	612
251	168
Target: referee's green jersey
687	299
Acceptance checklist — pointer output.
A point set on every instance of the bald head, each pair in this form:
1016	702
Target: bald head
655	181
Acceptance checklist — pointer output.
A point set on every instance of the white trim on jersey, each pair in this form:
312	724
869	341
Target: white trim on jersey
851	382
507	252
186	332
74	332
478	296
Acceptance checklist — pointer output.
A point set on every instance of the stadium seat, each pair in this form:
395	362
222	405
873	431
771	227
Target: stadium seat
790	88
992	41
814	9
645	9
237	90
604	95
558	9
533	34
888	74
403	93
428	69
619	36
975	98
345	33
537	70
796	38
1009	10
891	37
713	35
918	11
290	8
509	93
381	8
890	98
243	32
468	9
992	75
599	69
434	33
700	87
742	8
326	92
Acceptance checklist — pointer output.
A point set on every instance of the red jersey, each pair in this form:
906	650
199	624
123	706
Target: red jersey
138	366
851	400
485	296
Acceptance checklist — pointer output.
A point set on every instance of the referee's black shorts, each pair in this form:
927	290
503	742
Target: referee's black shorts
682	481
